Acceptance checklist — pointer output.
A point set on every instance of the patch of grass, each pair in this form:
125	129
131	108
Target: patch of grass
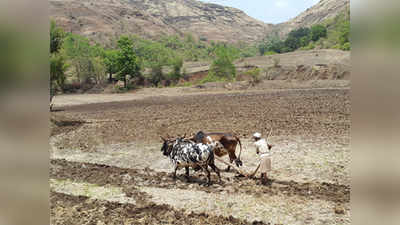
186	84
213	78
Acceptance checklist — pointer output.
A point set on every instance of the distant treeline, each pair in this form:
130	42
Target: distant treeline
332	34
75	60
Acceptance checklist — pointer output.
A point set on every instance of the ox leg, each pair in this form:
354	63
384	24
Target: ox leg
232	158
208	174
174	174
187	173
216	170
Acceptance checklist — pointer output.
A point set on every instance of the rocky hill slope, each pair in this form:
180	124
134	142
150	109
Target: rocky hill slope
101	20
325	9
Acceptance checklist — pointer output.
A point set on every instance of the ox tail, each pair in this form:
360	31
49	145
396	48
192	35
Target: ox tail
240	144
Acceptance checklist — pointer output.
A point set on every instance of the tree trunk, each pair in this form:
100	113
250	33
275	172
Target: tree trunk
110	78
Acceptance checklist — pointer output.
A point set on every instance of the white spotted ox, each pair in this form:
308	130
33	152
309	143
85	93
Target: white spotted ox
185	153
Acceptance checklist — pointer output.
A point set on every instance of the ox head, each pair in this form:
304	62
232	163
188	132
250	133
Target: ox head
167	146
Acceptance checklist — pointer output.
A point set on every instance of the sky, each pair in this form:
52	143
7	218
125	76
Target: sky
269	11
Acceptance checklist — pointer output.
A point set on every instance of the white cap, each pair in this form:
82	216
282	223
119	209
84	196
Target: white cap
257	135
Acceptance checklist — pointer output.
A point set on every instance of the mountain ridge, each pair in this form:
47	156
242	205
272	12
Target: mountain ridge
104	20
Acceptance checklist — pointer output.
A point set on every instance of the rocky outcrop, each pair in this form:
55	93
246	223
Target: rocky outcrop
102	20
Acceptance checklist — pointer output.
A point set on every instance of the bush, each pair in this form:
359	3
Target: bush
318	31
222	67
346	46
255	74
310	46
212	78
58	67
270	53
156	74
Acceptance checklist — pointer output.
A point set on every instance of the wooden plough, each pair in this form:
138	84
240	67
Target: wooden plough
233	167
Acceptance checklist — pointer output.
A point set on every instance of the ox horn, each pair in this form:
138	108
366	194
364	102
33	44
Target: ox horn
162	138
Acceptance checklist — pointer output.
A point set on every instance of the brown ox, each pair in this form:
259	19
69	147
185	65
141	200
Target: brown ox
228	142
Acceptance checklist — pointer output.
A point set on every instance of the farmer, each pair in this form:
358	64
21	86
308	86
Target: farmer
263	151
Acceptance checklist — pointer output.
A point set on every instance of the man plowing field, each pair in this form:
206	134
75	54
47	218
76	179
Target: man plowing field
263	151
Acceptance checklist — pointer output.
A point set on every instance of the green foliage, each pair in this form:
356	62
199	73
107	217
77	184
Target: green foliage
333	33
110	58
270	44
81	55
176	74
99	69
156	74
338	35
346	46
128	54
222	67
310	46
57	35
127	61
299	33
213	78
255	74
58	67
270	53
318	31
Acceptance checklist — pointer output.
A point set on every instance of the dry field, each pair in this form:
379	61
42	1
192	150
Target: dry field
106	166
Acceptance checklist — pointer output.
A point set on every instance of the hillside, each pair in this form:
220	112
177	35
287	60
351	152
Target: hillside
102	20
326	64
322	11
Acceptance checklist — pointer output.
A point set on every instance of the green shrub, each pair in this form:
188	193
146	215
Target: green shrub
255	74
346	46
213	78
270	53
222	67
318	31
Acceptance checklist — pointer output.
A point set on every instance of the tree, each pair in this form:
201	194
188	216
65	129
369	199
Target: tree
58	67
56	37
318	31
222	66
344	30
127	61
79	51
291	43
299	33
99	69
156	74
111	62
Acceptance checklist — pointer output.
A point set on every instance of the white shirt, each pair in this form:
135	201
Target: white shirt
262	146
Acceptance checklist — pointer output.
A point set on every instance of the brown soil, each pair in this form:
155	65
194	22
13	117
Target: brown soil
71	210
94	173
295	112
